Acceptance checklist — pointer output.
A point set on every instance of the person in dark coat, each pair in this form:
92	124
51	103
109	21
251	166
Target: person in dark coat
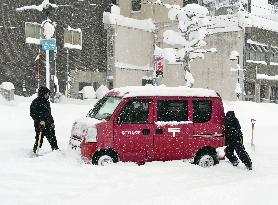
234	141
40	111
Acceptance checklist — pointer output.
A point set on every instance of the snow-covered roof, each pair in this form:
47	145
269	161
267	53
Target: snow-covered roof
134	91
7	86
88	92
115	18
235	22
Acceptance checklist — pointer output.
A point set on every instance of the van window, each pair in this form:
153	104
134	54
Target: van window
104	108
172	110
202	110
135	112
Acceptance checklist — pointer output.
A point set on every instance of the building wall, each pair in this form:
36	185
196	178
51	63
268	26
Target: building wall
157	12
173	75
133	48
133	58
85	78
214	72
253	68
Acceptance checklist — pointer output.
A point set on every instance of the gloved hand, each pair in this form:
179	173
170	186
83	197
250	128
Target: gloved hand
42	123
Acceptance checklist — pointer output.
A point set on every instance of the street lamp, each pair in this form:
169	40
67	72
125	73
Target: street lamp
234	56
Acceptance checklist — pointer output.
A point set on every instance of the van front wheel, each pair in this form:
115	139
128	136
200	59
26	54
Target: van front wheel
105	160
105	157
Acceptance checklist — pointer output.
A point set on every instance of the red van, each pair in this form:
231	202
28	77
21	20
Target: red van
143	124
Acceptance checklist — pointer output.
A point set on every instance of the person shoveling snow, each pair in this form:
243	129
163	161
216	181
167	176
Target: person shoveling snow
44	125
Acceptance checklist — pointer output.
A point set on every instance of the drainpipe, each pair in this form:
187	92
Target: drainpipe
249	6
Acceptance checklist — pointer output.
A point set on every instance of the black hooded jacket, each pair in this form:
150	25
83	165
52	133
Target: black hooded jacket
232	129
40	108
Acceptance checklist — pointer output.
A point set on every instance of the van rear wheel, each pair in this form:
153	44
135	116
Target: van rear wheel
206	159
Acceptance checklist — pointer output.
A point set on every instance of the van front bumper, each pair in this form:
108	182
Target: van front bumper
87	151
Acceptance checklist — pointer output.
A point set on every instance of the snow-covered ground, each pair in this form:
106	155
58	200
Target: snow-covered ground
61	178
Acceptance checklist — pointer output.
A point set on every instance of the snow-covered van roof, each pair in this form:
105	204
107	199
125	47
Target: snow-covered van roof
134	91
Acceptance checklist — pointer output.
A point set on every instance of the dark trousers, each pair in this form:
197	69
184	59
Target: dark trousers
49	133
241	153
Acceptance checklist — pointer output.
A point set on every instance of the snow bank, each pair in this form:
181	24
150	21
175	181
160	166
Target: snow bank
7	86
88	92
101	91
61	178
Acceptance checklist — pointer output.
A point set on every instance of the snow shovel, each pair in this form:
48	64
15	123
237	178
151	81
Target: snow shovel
39	142
253	121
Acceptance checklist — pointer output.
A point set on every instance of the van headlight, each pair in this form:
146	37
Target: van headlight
91	135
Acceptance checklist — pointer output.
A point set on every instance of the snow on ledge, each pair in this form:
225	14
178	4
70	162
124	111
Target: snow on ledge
71	46
256	43
273	63
40	7
133	91
267	77
33	41
116	19
132	67
257	62
74	29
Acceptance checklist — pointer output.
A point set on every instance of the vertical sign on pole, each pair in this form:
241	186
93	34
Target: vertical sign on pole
159	66
48	44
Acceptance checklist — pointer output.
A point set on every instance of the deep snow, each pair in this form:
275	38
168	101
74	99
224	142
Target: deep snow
61	178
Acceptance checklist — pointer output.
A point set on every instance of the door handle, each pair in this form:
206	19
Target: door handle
146	131
159	131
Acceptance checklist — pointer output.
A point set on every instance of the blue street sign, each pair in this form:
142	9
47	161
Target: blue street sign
48	44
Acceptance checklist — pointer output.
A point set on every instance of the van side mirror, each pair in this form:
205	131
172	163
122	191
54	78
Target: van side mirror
119	120
89	113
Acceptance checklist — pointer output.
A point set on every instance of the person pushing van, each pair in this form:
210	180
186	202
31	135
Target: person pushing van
234	141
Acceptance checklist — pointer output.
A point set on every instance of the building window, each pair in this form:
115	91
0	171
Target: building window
263	91
136	5
274	55
249	88
256	52
172	110
202	110
274	94
185	2
114	2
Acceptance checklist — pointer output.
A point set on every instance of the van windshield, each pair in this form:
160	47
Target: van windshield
104	108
